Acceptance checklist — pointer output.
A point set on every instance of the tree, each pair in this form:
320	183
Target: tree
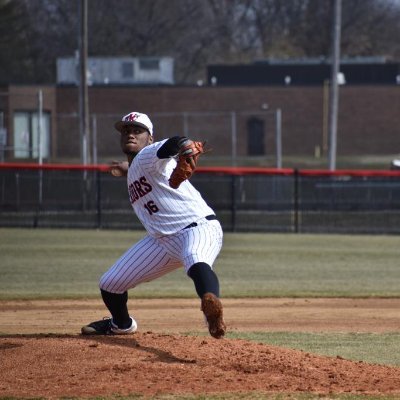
34	33
13	40
371	27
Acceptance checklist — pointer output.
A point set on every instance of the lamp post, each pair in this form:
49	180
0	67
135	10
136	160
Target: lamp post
334	90
83	88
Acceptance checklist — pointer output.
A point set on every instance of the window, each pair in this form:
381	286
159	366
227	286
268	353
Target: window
255	137
149	63
127	70
26	134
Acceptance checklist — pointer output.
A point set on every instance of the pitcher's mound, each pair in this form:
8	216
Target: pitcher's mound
54	366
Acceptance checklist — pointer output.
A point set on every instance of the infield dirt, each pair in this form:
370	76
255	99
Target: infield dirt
43	355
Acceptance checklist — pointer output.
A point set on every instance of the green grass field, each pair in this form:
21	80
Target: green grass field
46	263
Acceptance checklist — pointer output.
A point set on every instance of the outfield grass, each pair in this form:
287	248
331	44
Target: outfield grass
45	263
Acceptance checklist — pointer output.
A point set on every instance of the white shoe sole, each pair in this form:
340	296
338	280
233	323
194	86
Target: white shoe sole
118	331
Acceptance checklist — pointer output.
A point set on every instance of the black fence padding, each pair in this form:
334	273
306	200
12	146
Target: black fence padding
345	193
246	203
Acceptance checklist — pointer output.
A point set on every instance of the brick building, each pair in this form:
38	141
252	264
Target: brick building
226	116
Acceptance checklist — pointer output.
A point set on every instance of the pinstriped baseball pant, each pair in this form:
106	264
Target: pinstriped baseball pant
151	257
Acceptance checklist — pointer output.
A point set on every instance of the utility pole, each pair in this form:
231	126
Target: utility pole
83	89
278	134
40	127
334	92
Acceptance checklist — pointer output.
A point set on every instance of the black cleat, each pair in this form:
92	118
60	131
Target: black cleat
106	327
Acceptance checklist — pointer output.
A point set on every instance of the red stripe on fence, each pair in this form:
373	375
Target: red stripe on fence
349	172
245	171
217	170
79	167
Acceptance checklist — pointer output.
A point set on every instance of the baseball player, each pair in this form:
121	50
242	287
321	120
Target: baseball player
182	230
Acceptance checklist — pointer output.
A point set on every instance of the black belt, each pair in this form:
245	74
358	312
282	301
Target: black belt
209	218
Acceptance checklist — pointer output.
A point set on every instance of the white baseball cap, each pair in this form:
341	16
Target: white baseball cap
135	118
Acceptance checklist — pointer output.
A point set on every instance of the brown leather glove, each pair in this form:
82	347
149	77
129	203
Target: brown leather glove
188	156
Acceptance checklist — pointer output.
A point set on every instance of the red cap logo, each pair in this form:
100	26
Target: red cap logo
131	117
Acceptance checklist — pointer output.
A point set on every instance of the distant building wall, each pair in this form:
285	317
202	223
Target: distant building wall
365	71
369	116
118	70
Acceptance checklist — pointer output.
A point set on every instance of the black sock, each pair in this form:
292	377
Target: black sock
204	278
117	305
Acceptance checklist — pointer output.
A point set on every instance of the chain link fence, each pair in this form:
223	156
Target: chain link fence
282	201
232	136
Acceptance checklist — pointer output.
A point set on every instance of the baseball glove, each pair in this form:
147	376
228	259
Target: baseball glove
188	156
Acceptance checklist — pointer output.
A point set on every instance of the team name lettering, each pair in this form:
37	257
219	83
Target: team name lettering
138	189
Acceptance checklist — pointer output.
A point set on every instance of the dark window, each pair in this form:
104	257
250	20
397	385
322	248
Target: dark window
255	137
149	63
127	70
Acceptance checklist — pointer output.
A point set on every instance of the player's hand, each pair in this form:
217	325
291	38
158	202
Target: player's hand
188	157
119	168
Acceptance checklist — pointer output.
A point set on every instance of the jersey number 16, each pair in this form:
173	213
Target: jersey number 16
151	207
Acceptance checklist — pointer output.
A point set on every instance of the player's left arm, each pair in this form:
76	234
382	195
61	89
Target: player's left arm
177	158
186	152
171	147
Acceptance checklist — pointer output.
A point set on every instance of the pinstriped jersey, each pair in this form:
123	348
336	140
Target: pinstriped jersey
161	209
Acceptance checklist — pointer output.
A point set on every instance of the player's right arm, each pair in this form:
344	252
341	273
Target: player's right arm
119	168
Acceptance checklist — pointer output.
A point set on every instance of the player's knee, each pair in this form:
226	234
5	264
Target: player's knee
109	285
204	278
103	283
199	268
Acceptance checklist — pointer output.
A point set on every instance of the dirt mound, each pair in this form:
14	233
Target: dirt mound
53	366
